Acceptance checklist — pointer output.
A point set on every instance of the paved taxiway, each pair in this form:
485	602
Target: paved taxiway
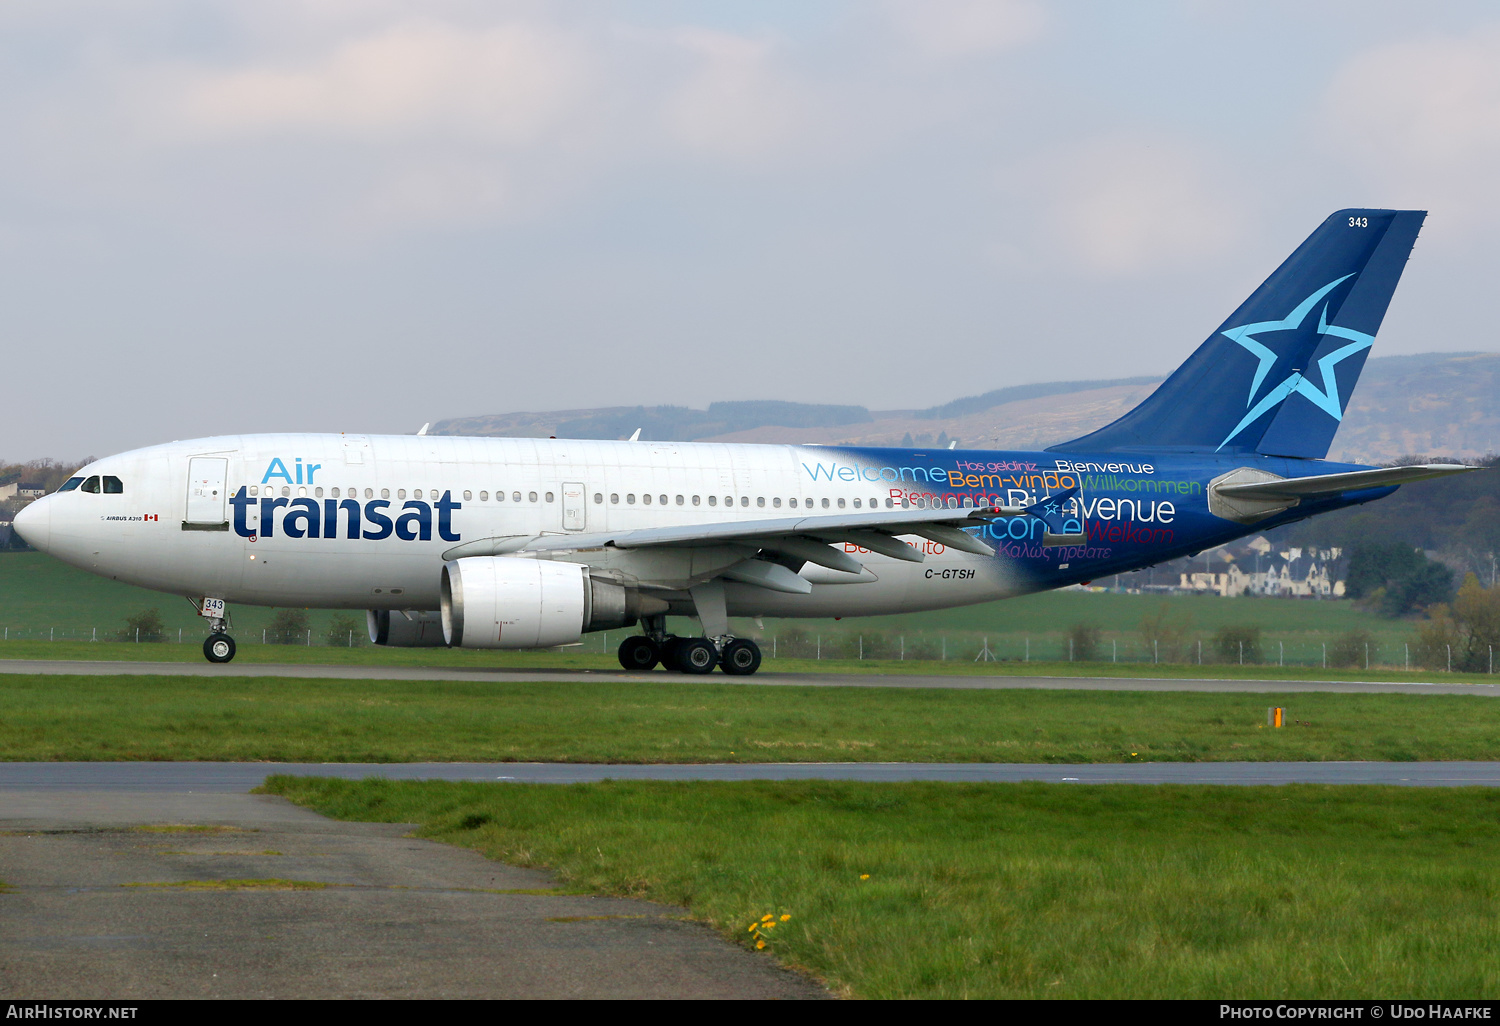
765	677
32	782
265	899
95	906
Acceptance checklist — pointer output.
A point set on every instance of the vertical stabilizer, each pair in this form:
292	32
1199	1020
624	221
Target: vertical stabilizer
1276	377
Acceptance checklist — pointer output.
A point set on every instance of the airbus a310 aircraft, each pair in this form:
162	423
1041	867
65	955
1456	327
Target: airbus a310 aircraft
529	543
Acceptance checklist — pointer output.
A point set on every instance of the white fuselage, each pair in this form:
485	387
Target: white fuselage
470	489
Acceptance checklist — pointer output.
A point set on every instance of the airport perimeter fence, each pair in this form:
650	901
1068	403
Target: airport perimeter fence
184	636
1330	652
1243	648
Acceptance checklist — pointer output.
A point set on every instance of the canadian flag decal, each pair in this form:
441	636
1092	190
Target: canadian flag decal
152	516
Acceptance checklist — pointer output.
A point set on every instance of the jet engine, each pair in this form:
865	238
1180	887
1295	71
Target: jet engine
510	602
412	629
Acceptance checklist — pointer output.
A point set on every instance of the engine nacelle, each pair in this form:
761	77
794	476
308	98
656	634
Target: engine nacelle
424	629
510	602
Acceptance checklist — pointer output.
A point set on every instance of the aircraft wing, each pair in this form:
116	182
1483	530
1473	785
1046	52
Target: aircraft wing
1333	484
805	537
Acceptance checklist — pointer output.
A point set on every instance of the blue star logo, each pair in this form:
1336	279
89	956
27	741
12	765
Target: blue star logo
1325	398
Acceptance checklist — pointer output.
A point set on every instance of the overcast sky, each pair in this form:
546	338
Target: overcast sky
359	216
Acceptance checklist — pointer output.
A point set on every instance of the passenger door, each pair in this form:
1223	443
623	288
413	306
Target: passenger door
574	505
206	483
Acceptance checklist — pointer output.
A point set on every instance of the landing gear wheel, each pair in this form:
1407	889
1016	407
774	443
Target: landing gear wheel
639	652
671	652
218	648
696	655
741	657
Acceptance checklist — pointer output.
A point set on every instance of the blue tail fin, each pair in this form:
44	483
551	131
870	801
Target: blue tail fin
1277	375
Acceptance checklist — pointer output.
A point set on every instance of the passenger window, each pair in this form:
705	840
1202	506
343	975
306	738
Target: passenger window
598	498
400	493
468	495
483	496
760	500
318	492
841	503
614	498
663	499
91	486
790	502
713	500
856	503
333	491
646	499
500	496
776	502
516	496
113	486
679	500
531	496
70	484
369	493
630	499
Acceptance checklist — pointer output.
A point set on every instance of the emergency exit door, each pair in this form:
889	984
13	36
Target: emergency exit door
575	506
206	498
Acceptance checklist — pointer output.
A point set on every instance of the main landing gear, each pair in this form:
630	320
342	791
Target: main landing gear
738	657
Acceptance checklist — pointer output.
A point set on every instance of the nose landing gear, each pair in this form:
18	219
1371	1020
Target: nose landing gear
218	648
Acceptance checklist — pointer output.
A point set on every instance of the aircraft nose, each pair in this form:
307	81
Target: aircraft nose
34	523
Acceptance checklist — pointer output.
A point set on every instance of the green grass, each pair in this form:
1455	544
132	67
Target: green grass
1021	890
681	720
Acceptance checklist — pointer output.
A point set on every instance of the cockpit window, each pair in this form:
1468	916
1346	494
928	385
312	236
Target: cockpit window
91	486
113	486
70	484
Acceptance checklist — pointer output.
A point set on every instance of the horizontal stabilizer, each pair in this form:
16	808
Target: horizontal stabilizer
1335	484
1055	510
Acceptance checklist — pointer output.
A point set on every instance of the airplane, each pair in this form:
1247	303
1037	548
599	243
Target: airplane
517	543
